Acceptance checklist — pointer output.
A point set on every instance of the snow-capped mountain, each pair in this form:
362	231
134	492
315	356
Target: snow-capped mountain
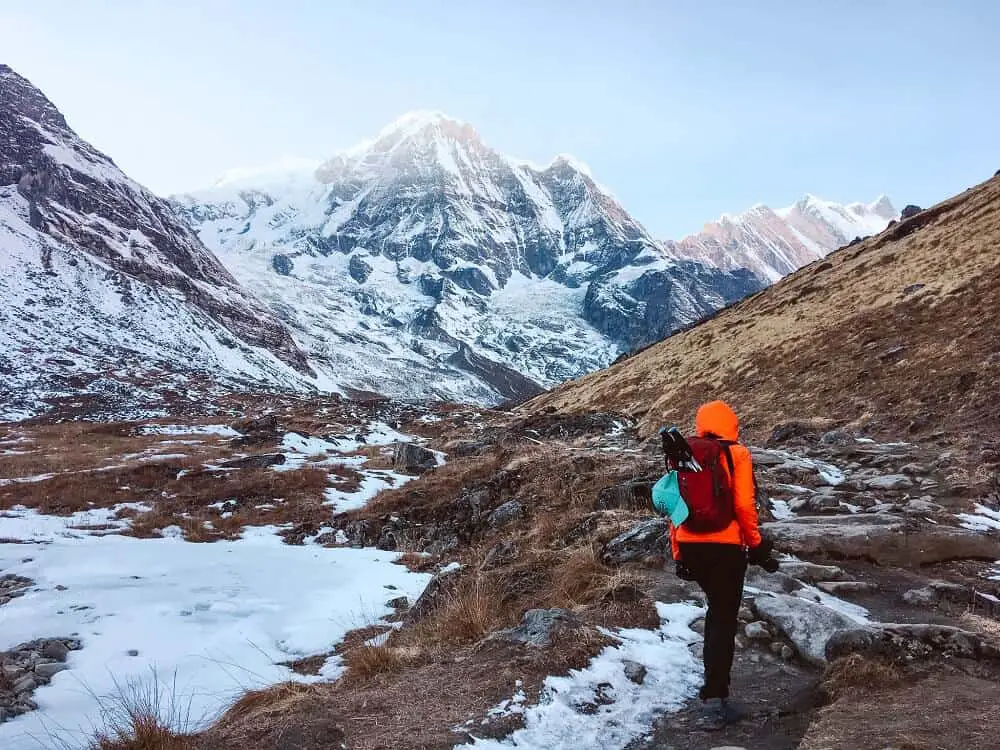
102	284
423	262
772	244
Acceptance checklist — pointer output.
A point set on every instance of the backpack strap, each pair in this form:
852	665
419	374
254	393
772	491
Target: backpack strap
729	458
725	444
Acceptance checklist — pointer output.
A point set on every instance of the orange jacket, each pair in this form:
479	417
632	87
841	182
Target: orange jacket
718	419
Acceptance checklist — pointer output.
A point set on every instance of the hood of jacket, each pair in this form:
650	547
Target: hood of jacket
717	418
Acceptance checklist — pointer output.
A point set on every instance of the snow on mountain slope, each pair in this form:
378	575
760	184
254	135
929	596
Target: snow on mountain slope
102	286
423	251
772	244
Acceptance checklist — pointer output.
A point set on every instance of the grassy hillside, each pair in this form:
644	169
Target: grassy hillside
899	334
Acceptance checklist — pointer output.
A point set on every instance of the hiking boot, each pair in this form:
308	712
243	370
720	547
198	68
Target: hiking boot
716	713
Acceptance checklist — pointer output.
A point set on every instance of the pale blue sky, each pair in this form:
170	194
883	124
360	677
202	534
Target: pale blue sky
684	109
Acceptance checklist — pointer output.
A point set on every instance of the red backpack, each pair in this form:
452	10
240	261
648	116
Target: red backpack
709	492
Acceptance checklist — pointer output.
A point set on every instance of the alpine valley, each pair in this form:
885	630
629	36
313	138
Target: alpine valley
420	264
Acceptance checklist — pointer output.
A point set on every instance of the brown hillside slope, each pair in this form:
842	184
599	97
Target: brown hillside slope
900	333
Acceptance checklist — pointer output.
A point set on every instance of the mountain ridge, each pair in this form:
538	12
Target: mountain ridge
102	283
428	240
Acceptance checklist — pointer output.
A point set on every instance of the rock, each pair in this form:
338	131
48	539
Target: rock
757	631
464	448
846	587
26	684
55	649
745	614
922	506
505	514
936	591
698	626
499	554
399	603
806	624
261	461
788	430
539	625
627	495
883	539
787	652
765	459
910	211
635	671
890	482
645	539
914	469
442	546
412	458
133	652
907	643
837	437
923	597
47	670
811	572
439	587
777	583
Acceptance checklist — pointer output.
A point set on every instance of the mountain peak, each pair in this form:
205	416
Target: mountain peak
417	122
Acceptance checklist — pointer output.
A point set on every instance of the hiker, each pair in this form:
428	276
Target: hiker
715	553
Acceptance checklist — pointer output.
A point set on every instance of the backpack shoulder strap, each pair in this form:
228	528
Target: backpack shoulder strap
725	444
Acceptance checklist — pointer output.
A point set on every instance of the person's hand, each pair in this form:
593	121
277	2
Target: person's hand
683	571
761	555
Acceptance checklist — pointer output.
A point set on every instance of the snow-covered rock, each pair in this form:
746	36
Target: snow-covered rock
425	263
773	243
102	283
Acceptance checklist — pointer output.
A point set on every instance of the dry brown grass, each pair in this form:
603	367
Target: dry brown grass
144	733
365	662
944	710
860	673
473	610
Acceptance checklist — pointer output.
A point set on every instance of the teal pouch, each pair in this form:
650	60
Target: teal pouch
667	499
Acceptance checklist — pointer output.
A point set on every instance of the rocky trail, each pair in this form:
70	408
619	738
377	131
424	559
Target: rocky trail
552	619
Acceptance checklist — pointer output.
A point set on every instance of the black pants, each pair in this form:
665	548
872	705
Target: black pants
719	569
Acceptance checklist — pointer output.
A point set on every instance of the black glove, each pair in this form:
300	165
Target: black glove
683	571
761	555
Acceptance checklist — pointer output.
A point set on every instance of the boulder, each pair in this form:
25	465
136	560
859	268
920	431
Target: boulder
922	506
811	572
838	588
808	625
505	514
647	538
538	627
440	586
635	671
910	211
890	482
908	643
757	631
261	461
937	591
881	538
776	583
45	671
54	649
413	459
837	437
